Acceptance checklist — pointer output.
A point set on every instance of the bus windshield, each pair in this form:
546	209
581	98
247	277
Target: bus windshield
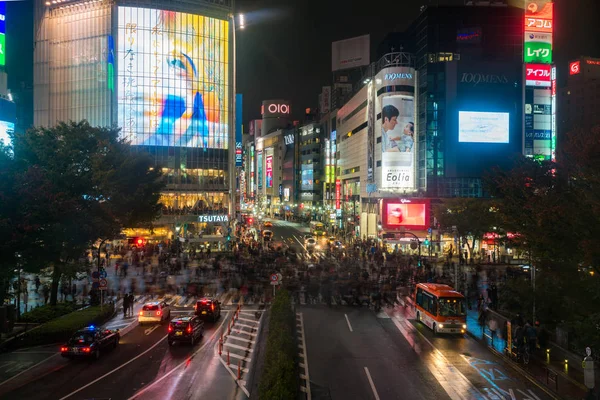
452	307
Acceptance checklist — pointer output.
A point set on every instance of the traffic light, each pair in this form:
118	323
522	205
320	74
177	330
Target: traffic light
139	242
228	237
426	242
419	263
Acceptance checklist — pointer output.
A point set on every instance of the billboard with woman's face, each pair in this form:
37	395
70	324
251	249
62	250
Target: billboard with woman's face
397	142
173	78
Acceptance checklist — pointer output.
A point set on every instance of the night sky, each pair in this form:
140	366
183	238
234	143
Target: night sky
285	50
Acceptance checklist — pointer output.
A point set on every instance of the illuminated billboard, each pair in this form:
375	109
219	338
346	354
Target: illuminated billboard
173	78
538	52
405	213
2	33
269	171
6	129
397	142
483	127
574	68
538	75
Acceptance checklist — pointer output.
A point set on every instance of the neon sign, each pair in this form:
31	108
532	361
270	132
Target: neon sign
269	171
538	25
538	75
574	68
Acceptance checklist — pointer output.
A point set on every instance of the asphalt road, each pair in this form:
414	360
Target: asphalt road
355	353
142	367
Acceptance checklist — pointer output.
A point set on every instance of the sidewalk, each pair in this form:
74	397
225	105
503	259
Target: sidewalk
554	375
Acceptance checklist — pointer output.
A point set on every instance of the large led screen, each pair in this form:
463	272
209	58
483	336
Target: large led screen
405	213
6	129
173	78
483	127
397	142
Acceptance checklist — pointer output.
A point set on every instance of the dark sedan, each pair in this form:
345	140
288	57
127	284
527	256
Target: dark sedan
90	342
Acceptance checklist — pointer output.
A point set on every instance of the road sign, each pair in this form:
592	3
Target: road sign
279	277
103	273
95	275
95	285
274	278
103	283
429	231
274	283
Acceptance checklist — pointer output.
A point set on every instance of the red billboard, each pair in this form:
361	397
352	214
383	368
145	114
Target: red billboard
538	75
405	213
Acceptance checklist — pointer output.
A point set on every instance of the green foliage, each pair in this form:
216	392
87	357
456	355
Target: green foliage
472	218
280	379
61	329
69	186
48	312
554	207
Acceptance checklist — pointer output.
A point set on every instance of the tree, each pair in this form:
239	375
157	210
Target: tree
77	184
470	219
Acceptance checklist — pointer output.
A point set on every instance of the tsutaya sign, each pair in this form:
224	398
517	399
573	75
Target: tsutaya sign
213	218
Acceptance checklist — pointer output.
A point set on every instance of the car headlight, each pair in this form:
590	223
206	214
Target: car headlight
441	326
464	326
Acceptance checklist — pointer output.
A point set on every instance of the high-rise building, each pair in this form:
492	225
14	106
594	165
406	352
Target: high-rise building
162	72
579	100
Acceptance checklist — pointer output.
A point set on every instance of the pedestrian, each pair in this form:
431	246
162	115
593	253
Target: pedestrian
46	293
131	303
37	283
531	333
125	306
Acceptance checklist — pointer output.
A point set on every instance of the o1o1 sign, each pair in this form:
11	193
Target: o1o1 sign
275	108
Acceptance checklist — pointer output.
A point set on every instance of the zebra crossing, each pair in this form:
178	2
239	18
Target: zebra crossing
230	298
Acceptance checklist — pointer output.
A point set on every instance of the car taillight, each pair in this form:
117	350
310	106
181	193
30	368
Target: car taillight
64	349
195	307
158	313
86	349
141	313
170	329
212	307
189	329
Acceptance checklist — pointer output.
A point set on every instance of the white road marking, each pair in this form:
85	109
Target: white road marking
241	384
151	329
33	366
456	385
348	321
136	395
303	355
161	340
371	383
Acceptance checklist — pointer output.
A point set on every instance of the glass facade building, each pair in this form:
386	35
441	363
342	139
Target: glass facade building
161	73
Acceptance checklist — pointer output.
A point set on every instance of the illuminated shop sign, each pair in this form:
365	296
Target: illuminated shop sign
538	25
538	75
275	108
338	191
238	154
289	139
478	78
574	68
269	171
213	218
2	33
538	52
391	77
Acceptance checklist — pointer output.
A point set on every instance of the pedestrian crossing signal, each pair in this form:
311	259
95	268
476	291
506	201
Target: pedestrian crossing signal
228	238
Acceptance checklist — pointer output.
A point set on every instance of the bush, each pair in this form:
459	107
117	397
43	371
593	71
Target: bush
47	313
61	329
280	377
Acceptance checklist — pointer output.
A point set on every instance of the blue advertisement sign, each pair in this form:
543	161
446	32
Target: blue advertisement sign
3	17
238	129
